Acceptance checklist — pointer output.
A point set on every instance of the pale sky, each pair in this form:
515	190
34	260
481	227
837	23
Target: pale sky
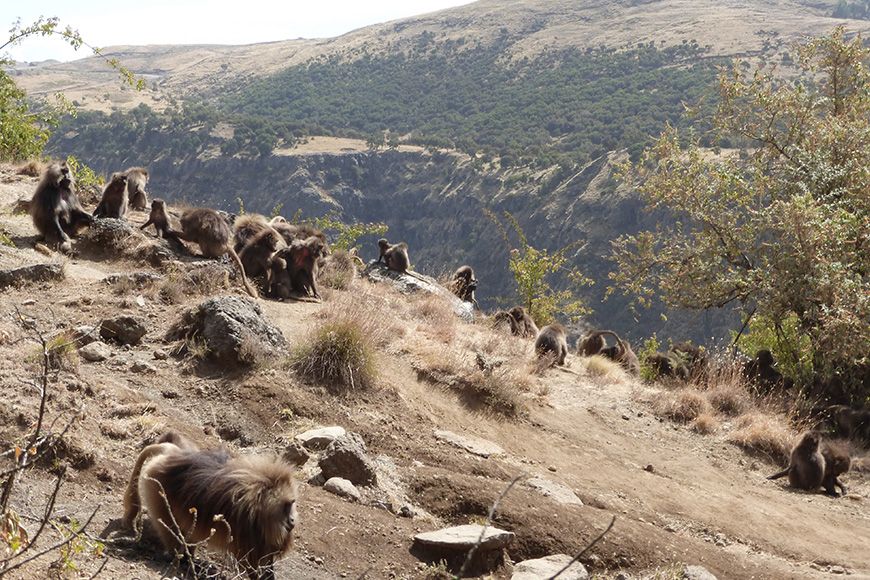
104	23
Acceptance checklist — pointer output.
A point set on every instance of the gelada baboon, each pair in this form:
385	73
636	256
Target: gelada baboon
159	219
762	370
257	253
463	284
292	232
666	365
806	467
211	232
55	208
552	341
594	343
523	324
113	204
137	181
837	462
848	422
395	256
295	269
246	227
242	505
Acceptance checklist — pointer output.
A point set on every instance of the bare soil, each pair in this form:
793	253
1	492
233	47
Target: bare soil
678	497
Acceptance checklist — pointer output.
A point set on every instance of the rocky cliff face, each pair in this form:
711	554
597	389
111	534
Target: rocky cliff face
436	202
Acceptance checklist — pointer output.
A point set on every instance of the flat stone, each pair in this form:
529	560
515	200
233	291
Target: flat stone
697	573
466	536
95	351
140	366
342	488
320	438
408	284
473	445
34	273
555	491
543	568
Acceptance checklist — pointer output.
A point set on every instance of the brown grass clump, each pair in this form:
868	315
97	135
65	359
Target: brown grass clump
764	434
439	320
339	271
205	280
604	370
729	399
682	406
705	424
339	356
62	355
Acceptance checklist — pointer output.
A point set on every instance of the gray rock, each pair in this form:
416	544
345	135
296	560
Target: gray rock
232	327
106	236
123	329
342	488
474	445
409	284
95	351
34	273
543	568
85	334
140	366
466	536
295	454
160	354
320	438
346	457
555	491
697	573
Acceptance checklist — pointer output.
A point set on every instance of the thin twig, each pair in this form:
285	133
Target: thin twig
586	549
49	508
100	569
486	525
56	546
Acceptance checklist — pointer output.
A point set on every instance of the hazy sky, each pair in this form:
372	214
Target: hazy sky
104	23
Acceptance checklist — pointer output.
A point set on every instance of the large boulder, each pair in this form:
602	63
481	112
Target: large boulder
346	457
233	329
411	283
319	439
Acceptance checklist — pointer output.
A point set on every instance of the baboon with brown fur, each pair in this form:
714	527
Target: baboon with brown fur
159	219
292	232
667	366
114	202
395	256
257	253
552	340
296	267
55	208
523	324
594	343
464	283
762	370
837	462
246	227
211	232
137	180
806	466
242	505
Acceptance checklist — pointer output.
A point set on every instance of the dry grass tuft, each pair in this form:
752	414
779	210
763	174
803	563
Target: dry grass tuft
439	320
62	355
604	370
339	271
682	406
339	356
705	424
763	434
729	399
205	280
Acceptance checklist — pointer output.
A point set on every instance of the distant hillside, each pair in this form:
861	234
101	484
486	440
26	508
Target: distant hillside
518	105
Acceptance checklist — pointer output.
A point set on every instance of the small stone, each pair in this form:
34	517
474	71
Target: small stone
167	394
837	570
160	354
542	568
320	438
697	573
140	301
555	491
318	560
552	468
95	351
626	416
28	302
342	488
140	366
650	468
671	528
406	512
295	454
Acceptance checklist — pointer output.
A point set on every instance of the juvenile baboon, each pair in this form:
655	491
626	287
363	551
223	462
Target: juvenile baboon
552	340
666	365
137	180
295	268
159	219
594	343
504	321
242	505
523	324
206	228
113	204
55	208
806	466
464	283
256	255
395	256
837	462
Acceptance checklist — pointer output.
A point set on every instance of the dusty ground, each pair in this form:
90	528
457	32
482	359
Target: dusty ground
704	501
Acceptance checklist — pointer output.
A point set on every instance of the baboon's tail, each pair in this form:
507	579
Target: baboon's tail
247	284
782	473
132	503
